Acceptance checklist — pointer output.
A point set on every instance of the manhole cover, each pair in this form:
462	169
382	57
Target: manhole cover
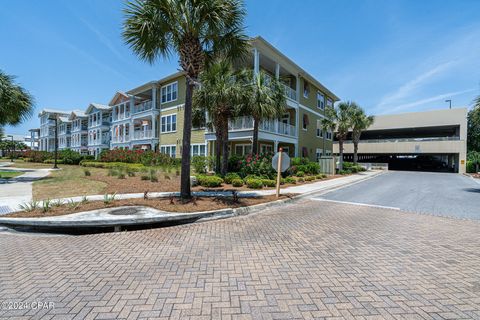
123	212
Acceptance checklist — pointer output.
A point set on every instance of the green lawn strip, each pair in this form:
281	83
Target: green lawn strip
9	174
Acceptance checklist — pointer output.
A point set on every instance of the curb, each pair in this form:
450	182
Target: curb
203	216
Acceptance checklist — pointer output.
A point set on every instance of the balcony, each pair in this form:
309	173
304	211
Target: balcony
271	126
143	106
121	116
80	128
289	92
142	134
121	139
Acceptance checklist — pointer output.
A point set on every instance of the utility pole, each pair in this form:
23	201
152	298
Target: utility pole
450	102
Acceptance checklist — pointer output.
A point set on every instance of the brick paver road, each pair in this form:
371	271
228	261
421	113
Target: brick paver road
313	260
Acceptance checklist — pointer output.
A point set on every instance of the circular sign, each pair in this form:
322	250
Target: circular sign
285	162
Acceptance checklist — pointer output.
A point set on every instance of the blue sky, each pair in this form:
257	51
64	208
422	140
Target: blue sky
388	56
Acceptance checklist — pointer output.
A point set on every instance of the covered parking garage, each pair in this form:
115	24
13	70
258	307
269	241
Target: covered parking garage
425	141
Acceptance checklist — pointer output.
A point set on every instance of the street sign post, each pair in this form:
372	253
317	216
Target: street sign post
280	162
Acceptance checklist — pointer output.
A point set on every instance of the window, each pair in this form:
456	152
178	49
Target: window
318	153
319	129
306	89
320	101
266	148
329	135
198	150
243	149
169	123
170	92
171	150
329	103
305	122
328	152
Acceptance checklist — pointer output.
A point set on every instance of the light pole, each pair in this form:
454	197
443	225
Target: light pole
450	103
13	146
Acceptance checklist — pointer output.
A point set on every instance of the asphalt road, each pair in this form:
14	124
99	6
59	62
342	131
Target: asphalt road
443	194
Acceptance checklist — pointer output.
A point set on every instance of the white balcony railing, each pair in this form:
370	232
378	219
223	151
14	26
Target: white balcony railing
121	139
121	116
142	134
272	126
289	92
143	106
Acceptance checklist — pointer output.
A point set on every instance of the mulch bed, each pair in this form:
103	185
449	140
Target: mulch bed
197	204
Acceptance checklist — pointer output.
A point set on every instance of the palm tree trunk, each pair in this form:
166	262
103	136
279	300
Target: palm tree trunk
225	147
218	148
340	148
255	136
355	151
185	192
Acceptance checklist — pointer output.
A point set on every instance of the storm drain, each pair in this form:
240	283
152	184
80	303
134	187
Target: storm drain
124	212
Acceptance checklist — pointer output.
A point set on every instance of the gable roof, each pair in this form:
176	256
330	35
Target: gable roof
77	113
118	94
49	110
97	106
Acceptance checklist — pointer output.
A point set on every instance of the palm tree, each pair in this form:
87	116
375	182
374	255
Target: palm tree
339	120
264	99
360	122
474	157
197	30
16	104
219	95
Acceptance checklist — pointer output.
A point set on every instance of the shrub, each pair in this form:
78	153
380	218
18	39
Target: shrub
309	178
290	180
320	176
470	167
121	175
254	183
37	156
234	163
30	206
209	181
300	174
300	179
107	165
70	157
59	161
199	164
145	157
130	172
343	172
46	205
229	177
252	176
145	177
108	198
269	183
259	164
237	183
87	172
153	179
297	161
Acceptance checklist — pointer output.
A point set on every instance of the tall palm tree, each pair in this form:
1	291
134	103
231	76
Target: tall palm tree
196	30
16	104
360	122
338	120
219	95
264	99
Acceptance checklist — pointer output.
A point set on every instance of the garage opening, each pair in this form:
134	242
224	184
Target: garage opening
412	162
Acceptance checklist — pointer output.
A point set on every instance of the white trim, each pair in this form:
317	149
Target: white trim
166	86
168	146
173	107
171	123
312	111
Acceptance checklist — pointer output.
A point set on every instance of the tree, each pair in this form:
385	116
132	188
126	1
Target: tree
197	30
359	122
264	100
16	104
219	95
474	157
339	120
473	127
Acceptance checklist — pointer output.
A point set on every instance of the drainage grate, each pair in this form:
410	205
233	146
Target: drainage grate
5	209
123	212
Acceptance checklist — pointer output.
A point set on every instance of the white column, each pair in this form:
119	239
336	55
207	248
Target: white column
277	70
154	122
154	97
132	104
275	146
124	131
256	61
298	88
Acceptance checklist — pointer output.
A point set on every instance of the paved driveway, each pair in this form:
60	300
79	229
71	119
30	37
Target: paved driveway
443	194
307	260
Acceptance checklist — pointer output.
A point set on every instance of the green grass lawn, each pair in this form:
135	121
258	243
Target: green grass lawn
9	174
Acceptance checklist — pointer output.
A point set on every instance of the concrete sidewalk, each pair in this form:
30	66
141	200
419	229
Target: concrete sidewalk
18	190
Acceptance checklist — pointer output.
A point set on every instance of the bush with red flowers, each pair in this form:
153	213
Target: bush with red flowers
257	164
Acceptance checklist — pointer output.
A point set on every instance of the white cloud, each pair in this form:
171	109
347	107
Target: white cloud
409	88
440	97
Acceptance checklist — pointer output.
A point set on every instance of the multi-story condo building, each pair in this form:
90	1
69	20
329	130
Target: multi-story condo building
64	133
135	116
79	138
34	139
47	127
99	119
150	117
